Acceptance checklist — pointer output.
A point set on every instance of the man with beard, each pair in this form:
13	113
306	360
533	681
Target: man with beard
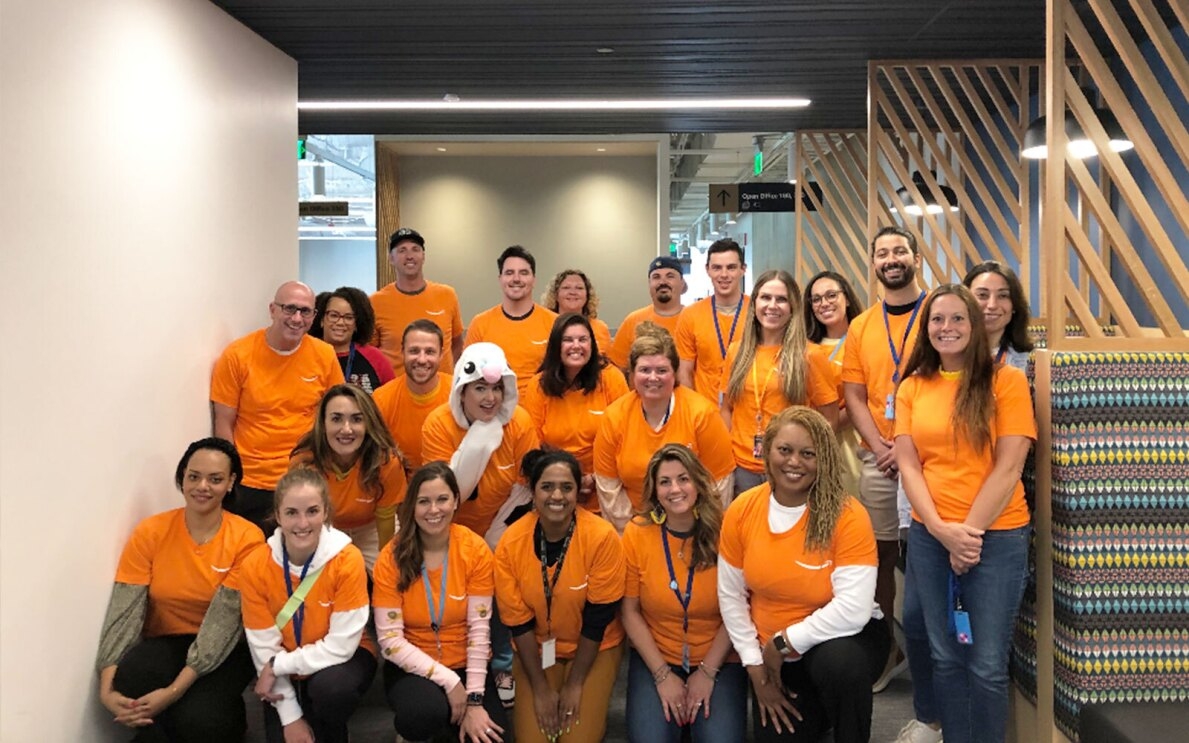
879	342
518	325
265	389
665	286
411	297
405	402
707	328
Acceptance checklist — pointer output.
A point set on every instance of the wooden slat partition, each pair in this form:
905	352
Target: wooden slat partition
1098	248
387	208
833	237
959	123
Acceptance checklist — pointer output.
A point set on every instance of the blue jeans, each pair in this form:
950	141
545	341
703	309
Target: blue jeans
970	682
646	720
916	647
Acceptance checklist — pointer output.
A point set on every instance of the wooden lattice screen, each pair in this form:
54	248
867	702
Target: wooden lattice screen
832	235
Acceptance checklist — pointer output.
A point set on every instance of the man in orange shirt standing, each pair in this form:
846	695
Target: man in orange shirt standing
265	390
879	342
665	286
707	328
412	297
407	401
518	325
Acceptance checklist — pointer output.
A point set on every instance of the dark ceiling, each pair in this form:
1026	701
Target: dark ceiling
483	49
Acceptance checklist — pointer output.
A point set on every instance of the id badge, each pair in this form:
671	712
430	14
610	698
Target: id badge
757	446
889	408
549	653
685	657
962	627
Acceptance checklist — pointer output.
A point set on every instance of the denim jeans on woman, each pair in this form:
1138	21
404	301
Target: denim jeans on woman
970	682
646	719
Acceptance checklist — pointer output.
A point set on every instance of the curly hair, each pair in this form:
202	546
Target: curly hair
549	298
826	495
361	307
708	518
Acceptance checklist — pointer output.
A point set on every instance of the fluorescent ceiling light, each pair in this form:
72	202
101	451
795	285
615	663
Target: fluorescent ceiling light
643	104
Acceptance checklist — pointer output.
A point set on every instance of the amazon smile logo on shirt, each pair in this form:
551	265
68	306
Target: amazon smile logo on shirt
540	343
505	466
435	312
220	570
310	379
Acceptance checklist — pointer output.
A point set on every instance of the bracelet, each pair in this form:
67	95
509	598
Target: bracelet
706	670
659	676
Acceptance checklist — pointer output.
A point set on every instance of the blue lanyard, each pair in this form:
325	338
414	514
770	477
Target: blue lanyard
350	363
435	617
722	347
838	347
299	615
684	600
999	356
896	356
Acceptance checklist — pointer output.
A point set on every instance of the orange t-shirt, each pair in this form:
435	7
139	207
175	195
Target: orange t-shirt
441	436
764	382
275	398
183	576
954	470
341	587
352	505
867	358
698	341
648	579
625	442
786	583
621	348
470	571
602	335
523	341
834	349
592	571
570	422
394	310
405	413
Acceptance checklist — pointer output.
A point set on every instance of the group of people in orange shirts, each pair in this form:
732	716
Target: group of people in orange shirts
723	486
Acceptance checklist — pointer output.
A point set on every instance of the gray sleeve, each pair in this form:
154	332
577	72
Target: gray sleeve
221	629
123	624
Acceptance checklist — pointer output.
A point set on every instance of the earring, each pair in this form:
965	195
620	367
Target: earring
695	511
658	516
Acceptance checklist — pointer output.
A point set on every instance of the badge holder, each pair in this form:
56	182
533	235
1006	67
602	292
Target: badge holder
889	407
549	653
959	618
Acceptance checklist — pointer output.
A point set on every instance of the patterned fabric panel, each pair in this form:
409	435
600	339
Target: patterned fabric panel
1120	529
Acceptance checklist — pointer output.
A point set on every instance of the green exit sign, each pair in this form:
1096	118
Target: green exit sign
758	163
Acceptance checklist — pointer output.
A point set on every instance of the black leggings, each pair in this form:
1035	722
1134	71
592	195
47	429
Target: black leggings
211	709
833	687
421	710
328	699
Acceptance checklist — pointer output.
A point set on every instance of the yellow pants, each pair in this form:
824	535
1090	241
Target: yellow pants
592	712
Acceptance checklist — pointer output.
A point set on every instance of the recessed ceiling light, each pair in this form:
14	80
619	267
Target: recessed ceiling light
640	104
605	50
441	149
600	149
450	98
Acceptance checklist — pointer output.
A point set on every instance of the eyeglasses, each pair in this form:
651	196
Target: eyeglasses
333	317
294	309
830	297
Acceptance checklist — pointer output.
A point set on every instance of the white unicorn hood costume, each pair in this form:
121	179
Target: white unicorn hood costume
484	361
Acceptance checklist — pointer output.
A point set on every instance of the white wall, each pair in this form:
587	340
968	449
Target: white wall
148	211
328	263
595	214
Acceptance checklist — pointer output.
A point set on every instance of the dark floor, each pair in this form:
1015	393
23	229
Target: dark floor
372	722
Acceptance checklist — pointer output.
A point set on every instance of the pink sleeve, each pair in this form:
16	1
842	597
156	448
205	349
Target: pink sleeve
390	629
478	642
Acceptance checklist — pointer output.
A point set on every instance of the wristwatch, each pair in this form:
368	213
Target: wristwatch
782	647
475	699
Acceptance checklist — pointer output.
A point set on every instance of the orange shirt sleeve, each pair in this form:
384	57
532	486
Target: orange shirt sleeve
439	435
713	443
615	385
392	475
820	380
385	578
534	403
136	561
510	554
602	335
605	566
227	379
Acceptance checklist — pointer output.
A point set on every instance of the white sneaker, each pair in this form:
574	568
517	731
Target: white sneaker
894	668
918	732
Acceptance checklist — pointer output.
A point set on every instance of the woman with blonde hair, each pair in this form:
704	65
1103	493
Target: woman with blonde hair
656	412
681	671
796	587
351	447
571	291
768	369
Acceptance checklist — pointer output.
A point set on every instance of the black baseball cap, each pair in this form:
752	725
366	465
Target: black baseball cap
405	233
664	261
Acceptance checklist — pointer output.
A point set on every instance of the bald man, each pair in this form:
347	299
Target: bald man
265	390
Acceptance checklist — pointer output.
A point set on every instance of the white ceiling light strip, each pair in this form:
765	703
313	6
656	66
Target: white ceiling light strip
671	104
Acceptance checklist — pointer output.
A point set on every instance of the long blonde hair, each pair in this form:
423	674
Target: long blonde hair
790	359
826	495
